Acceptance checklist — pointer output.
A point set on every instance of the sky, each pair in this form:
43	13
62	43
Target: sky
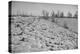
37	8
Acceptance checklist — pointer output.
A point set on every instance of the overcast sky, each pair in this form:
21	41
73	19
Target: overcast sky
36	8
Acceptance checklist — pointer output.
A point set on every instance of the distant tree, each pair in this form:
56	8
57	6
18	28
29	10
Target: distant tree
22	14
61	14
53	16
76	15
58	14
31	14
45	14
69	14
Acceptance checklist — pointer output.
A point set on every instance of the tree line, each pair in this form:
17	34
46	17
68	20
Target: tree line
46	14
59	14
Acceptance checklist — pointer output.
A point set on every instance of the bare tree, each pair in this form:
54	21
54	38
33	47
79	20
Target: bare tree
53	16
69	14
45	14
58	14
61	14
76	15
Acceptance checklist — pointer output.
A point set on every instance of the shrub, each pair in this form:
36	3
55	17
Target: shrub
65	26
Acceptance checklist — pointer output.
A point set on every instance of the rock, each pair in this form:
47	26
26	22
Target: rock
43	35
